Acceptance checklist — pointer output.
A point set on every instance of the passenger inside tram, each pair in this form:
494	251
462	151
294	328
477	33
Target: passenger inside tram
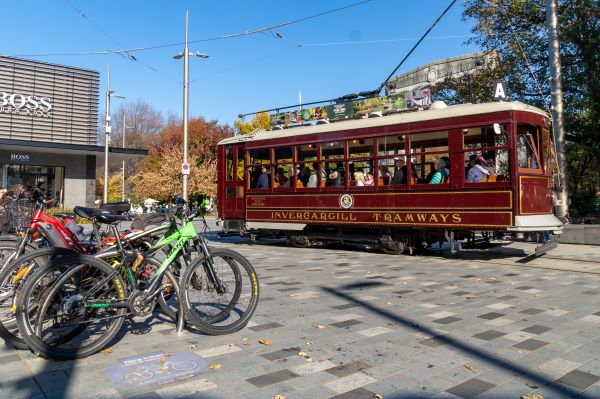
440	171
384	175
478	170
263	179
400	173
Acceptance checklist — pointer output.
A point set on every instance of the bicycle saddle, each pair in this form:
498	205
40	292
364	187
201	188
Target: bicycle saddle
64	215
116	207
110	218
89	213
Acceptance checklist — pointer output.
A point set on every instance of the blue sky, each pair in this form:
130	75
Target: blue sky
242	74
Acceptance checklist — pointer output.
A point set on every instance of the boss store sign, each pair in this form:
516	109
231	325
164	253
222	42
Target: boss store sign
21	104
14	157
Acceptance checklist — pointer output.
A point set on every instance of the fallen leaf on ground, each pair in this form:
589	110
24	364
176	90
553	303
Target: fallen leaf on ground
532	396
377	396
278	397
301	353
168	355
106	351
308	342
469	367
192	346
165	369
300	315
264	341
229	345
162	361
214	366
246	341
318	325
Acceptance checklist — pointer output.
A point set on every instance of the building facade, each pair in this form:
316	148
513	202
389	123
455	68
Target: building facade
48	130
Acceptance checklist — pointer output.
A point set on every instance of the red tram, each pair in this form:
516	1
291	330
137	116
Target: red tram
303	183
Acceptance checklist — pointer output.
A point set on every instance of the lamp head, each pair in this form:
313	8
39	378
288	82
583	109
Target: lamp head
178	56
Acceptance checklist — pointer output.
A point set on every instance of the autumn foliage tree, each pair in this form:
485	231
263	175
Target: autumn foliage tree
159	174
114	187
261	120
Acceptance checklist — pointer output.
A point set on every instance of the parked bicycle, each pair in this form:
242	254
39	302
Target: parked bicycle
74	305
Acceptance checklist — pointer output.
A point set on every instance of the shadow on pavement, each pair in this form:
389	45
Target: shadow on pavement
464	347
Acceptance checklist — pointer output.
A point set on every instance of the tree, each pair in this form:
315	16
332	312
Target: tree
114	188
261	120
517	30
164	183
159	174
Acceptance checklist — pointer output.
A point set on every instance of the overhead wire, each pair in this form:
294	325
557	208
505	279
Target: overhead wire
378	90
377	41
159	46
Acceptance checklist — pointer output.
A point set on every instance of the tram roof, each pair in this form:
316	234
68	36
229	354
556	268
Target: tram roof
450	111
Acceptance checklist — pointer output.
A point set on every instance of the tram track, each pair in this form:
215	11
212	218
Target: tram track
514	263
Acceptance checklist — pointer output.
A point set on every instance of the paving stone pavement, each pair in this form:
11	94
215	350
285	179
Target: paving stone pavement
426	326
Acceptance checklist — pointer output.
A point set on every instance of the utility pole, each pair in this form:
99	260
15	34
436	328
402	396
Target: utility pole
123	166
558	126
107	130
186	59
186	56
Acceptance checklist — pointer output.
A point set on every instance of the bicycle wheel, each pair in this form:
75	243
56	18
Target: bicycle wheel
12	278
217	311
8	250
82	299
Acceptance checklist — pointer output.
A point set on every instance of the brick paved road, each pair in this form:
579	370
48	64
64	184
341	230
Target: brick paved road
397	326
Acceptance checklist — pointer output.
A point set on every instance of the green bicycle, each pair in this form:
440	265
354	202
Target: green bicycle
86	298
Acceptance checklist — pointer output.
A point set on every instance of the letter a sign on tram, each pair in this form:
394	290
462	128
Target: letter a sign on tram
185	168
499	91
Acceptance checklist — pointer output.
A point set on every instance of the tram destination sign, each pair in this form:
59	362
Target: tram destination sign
47	102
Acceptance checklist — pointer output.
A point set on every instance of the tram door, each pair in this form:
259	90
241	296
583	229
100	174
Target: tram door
234	182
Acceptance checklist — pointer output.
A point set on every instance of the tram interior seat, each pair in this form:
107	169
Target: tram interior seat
491	178
413	180
380	181
299	184
446	180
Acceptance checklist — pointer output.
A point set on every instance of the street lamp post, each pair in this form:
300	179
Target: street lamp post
185	55
107	130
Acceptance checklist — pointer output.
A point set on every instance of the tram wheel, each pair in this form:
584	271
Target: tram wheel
396	247
299	241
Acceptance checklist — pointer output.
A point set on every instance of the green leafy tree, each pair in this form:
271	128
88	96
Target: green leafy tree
517	30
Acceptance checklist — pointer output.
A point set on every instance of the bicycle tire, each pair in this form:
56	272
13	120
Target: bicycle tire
8	248
213	324
36	259
72	265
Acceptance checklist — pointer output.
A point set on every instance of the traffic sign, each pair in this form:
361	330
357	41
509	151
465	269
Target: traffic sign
185	168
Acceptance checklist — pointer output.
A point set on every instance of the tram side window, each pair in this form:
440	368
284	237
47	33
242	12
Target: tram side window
230	166
306	170
259	172
391	165
284	168
333	152
486	154
528	143
429	157
240	165
360	165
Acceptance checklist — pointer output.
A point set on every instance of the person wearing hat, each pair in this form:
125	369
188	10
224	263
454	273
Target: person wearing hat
440	171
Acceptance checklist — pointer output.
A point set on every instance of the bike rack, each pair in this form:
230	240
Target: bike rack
180	312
